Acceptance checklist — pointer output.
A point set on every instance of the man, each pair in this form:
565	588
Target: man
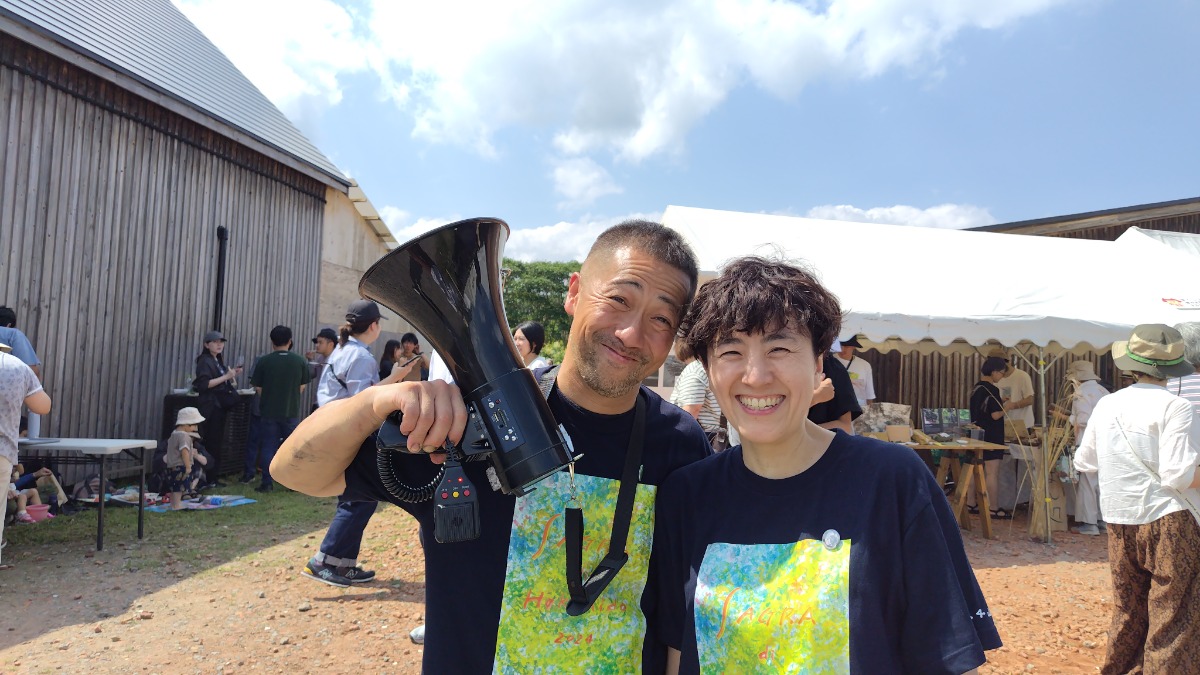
1087	393
17	342
18	386
835	405
1188	386
1143	446
1016	390
410	347
323	345
498	601
279	379
859	370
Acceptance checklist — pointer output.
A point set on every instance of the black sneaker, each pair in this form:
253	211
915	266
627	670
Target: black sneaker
246	480
357	575
265	487
325	574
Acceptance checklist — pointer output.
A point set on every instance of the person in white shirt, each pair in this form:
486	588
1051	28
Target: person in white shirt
1142	445
1188	386
1016	390
861	375
1087	392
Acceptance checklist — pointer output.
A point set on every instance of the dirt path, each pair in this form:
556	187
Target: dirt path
68	608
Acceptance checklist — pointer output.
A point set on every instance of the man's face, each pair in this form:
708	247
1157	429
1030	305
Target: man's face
410	348
324	346
626	309
847	352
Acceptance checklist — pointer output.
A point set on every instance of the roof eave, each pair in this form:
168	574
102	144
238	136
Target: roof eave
1091	219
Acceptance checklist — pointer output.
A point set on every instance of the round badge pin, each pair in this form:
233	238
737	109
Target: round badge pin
831	539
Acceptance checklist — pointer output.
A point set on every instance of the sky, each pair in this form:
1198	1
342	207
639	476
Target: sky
563	118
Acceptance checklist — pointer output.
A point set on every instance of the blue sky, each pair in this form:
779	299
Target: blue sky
562	118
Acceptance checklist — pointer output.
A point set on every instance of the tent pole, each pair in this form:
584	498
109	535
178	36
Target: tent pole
1045	477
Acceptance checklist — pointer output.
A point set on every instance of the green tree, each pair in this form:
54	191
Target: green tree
535	291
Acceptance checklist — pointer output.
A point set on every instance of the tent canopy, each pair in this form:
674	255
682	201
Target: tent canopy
928	289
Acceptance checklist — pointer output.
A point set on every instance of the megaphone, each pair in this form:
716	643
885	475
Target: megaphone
446	283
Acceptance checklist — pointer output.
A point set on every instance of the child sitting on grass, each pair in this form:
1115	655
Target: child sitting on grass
182	456
22	489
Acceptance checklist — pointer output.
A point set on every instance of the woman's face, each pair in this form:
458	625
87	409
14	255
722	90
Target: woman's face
523	346
215	347
764	383
397	352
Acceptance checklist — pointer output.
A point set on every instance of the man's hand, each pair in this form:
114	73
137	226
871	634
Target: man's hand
824	391
43	472
431	413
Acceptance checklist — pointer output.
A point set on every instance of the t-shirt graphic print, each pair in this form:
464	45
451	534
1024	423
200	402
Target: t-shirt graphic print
774	608
536	634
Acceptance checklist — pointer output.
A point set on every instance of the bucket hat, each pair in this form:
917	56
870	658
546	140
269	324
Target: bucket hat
1155	349
1081	371
188	415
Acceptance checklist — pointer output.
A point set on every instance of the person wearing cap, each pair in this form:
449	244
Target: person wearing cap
1144	448
18	386
1016	390
1087	392
216	390
323	345
351	369
1188	386
859	370
181	457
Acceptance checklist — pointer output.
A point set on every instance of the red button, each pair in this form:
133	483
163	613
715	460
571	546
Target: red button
444	495
466	493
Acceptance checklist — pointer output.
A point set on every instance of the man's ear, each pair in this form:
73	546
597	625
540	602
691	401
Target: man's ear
573	288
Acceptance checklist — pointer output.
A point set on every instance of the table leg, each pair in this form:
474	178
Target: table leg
981	498
141	492
964	488
100	510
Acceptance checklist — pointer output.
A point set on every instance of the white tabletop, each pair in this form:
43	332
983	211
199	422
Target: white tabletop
90	446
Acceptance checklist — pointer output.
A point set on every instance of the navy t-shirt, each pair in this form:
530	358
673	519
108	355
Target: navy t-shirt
985	400
844	399
513	575
855	565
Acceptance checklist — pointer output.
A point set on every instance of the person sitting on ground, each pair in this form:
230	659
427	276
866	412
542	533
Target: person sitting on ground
24	492
182	457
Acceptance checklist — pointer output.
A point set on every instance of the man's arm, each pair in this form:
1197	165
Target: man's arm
673	661
694	409
843	423
314	458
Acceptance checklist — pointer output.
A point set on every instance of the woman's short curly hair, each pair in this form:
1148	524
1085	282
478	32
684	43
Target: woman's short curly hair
753	295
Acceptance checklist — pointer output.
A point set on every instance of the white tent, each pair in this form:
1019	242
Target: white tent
928	289
1154	242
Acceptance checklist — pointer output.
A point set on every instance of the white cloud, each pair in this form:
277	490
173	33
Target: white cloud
563	241
404	228
951	216
582	181
295	51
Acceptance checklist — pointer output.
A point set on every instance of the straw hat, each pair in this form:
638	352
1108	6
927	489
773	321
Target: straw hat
1155	349
188	416
998	353
1081	371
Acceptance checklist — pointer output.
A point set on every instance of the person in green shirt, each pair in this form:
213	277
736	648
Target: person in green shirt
279	379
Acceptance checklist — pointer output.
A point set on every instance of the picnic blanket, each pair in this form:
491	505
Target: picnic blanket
205	503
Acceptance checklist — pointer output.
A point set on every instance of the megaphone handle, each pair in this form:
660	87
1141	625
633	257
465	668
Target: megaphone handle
391	438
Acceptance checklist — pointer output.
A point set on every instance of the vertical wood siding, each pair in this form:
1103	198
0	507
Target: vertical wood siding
109	208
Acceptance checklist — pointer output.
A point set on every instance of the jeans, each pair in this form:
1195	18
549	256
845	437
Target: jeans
344	538
272	431
254	443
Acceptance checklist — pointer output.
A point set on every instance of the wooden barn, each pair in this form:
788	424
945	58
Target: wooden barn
149	193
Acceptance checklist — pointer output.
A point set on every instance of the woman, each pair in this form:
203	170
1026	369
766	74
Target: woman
987	413
1141	442
1086	391
803	549
530	337
391	356
350	370
216	390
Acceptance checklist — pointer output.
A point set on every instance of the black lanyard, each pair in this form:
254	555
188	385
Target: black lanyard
583	594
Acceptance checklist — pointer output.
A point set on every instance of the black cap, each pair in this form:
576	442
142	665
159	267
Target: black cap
214	336
328	334
851	341
363	310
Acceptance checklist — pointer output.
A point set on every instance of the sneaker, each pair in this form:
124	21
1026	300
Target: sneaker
24	517
1087	528
417	635
265	487
246	480
357	575
325	574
